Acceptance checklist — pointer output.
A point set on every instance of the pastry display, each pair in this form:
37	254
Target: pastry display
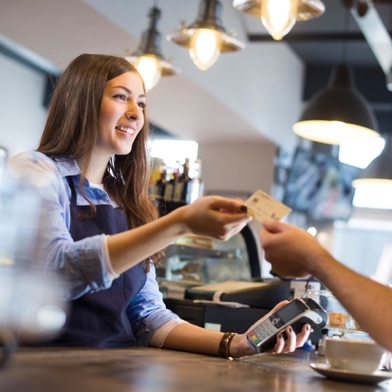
337	320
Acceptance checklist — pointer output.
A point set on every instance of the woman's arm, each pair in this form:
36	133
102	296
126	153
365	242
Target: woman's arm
189	337
147	312
82	263
210	216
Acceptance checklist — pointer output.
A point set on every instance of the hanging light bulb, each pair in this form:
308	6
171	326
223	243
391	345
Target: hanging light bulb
206	38
148	59
150	70
278	16
373	188
204	48
360	153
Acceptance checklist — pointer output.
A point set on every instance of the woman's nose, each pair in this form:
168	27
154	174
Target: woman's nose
134	112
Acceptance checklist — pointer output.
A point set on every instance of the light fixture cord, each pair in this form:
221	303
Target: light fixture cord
346	36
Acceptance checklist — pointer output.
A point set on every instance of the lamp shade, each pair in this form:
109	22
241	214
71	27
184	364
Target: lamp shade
208	32
148	58
307	9
279	16
338	113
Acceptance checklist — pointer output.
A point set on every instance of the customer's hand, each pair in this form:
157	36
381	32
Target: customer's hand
292	252
215	217
240	345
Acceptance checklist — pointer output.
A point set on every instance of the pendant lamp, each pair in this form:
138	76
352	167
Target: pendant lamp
279	16
338	113
373	188
206	38
148	59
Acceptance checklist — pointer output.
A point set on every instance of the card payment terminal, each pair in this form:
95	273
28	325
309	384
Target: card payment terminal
296	313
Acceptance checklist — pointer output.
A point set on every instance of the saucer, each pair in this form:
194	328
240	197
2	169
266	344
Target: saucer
348	375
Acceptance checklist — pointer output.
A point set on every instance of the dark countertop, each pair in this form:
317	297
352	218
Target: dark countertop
143	369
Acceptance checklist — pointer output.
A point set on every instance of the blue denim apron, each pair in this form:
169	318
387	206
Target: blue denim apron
99	319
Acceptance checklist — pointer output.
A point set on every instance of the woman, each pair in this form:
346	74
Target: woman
104	235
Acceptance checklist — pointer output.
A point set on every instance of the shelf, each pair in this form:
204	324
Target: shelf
182	250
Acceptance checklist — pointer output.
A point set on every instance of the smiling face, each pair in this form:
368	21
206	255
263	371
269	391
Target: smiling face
121	115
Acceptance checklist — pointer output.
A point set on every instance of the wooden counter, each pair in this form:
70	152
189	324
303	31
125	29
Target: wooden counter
147	369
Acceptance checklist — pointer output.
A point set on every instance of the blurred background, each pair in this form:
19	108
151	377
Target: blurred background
238	113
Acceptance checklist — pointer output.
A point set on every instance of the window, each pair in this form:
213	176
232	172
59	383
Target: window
173	151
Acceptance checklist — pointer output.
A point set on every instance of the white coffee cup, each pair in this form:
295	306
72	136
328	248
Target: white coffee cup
360	356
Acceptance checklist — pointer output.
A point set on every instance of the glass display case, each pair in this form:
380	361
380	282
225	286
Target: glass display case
194	260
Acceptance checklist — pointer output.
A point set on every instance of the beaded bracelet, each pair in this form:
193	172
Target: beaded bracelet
224	345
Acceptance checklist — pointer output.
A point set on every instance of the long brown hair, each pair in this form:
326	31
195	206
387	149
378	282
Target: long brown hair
71	130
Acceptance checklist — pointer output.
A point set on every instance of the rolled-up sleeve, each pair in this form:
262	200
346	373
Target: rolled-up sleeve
147	312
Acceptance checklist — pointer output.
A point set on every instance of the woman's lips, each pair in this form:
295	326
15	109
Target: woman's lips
127	130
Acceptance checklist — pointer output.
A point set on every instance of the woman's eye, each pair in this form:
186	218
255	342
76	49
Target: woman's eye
121	96
142	105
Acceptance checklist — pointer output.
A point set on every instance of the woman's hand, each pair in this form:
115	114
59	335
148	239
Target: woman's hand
240	345
215	217
293	340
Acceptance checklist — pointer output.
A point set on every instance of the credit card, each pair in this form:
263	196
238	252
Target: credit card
262	206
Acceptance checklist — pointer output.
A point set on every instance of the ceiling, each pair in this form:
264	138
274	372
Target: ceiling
251	95
323	40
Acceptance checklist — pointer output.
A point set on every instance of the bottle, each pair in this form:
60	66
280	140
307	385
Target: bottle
195	184
185	179
177	184
169	187
161	183
154	177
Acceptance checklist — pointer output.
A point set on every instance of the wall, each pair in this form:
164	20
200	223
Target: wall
22	114
236	168
364	241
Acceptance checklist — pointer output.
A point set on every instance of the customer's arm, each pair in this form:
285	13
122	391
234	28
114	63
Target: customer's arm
293	252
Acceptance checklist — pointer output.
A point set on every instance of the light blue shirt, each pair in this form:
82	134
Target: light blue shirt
81	263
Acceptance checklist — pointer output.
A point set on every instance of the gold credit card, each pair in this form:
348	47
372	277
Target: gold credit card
262	206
